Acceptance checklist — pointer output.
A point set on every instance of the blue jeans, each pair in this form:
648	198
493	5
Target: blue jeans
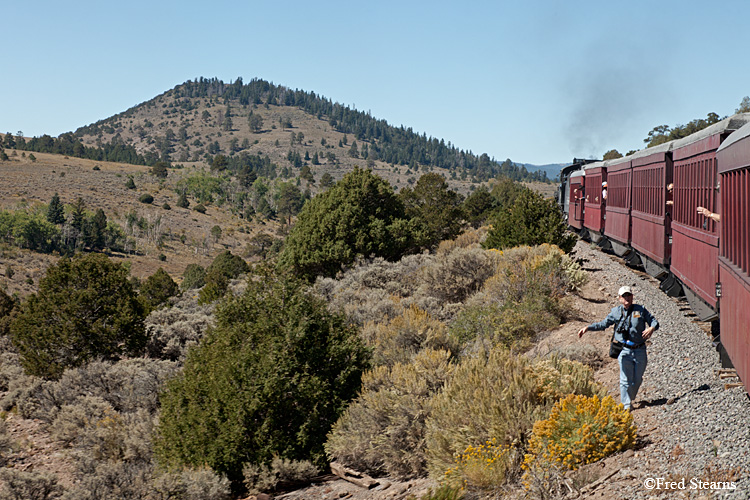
632	365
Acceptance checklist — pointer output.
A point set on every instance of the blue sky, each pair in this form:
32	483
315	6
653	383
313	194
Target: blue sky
534	81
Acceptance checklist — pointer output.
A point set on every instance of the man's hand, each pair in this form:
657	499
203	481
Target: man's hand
582	331
648	332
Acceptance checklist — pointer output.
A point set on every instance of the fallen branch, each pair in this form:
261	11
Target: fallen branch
354	477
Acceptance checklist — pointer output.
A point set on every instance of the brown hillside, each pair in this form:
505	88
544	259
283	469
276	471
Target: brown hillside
26	184
190	132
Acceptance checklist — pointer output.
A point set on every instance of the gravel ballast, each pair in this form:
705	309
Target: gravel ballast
700	432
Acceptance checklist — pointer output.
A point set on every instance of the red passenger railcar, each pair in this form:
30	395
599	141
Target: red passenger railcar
734	261
695	239
576	200
651	216
594	208
617	229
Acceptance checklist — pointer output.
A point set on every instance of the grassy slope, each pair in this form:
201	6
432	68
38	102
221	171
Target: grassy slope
28	183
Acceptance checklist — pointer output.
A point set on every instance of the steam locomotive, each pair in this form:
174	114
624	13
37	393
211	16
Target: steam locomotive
645	208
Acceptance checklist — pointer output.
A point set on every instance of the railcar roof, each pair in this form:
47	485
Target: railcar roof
578	173
661	148
741	133
597	164
732	123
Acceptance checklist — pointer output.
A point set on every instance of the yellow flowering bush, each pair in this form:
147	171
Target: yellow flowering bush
580	430
484	467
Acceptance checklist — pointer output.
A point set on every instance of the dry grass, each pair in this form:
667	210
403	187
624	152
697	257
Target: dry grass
28	183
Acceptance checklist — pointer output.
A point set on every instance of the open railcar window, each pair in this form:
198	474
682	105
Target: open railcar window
695	186
648	191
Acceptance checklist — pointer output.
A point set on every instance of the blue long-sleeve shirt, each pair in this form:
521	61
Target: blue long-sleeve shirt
640	319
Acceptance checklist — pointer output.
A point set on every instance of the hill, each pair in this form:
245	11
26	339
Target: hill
155	236
552	170
198	120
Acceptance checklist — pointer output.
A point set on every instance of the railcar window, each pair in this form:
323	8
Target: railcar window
594	189
695	186
618	189
648	191
735	217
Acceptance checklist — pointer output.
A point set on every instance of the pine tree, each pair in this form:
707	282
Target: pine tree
55	211
98	230
78	214
182	200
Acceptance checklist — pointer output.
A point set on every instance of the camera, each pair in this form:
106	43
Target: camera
624	331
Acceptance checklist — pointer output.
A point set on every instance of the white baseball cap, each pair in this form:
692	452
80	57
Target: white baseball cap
623	290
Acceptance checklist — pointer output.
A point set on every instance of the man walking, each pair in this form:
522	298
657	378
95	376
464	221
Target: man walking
634	325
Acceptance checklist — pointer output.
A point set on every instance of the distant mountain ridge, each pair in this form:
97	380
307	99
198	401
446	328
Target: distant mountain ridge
551	169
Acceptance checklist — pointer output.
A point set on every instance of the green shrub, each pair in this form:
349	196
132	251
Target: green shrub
269	380
193	277
182	200
228	265
383	431
159	169
224	267
130	184
499	396
359	216
7	304
28	229
85	308
215	288
200	208
201	186
158	288
478	206
146	198
532	220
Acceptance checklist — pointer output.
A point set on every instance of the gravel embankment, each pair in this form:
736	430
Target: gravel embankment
701	431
